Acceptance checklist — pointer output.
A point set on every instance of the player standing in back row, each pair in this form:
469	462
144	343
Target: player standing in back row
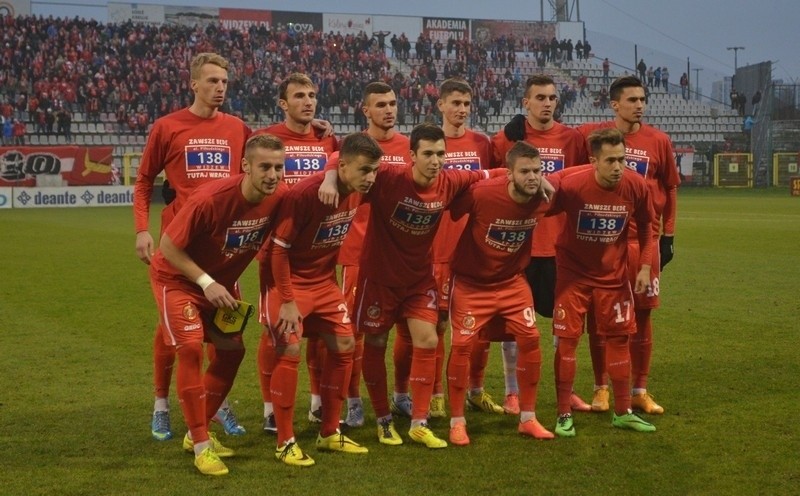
192	146
649	153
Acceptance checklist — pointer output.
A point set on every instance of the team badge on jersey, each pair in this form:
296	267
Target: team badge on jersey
560	313
189	312
446	288
374	312
468	322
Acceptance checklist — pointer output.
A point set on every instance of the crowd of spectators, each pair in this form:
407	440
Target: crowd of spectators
130	74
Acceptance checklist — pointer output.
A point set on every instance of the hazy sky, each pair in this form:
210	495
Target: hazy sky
698	29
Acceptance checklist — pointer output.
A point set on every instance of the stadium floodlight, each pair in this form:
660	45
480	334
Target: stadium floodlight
735	60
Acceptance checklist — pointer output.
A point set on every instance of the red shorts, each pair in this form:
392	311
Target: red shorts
507	305
379	307
613	309
186	316
441	273
650	298
322	307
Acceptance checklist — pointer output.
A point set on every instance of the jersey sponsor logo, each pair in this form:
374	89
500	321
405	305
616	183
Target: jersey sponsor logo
241	238
393	160
600	226
299	164
463	164
189	312
552	162
508	238
416	219
637	160
332	230
467	160
207	161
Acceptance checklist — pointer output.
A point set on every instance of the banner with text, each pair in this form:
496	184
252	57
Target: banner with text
191	16
57	165
66	196
444	28
141	13
243	19
296	22
347	24
484	30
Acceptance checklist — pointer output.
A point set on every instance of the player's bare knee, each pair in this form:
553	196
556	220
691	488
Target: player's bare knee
290	350
342	344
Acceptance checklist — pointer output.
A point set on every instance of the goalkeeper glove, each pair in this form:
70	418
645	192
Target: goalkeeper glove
515	129
167	193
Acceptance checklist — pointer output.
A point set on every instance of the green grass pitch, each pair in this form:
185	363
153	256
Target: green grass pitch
77	317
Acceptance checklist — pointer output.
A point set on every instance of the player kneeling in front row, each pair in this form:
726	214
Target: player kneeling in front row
489	282
201	255
301	294
600	202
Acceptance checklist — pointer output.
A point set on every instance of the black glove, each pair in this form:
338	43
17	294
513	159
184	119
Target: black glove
167	193
515	129
666	249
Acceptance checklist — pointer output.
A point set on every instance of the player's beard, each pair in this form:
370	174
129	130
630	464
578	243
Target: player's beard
523	191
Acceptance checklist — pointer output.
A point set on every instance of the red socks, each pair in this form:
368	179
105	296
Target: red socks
423	364
335	377
641	346
457	371
375	379
266	365
163	361
283	388
618	364
191	392
564	364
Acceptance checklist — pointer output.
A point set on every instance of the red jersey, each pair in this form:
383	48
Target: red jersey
496	243
396	152
193	151
592	249
403	222
649	152
473	151
305	153
220	230
307	237
559	147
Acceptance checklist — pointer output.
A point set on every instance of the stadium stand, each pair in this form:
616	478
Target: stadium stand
114	80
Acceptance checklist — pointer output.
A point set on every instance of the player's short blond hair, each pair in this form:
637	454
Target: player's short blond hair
204	58
266	141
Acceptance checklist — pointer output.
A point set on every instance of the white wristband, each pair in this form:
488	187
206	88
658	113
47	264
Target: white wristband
204	281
